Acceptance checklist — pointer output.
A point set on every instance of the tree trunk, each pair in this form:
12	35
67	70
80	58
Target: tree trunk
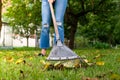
71	21
27	41
73	30
0	15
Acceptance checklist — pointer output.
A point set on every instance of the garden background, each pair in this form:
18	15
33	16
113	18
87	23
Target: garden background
92	30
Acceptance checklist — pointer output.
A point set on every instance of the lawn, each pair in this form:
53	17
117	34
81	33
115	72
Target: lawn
24	64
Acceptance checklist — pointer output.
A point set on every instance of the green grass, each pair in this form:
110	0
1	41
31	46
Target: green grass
32	69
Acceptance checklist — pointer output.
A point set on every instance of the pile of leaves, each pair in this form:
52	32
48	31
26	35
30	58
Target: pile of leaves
75	63
83	62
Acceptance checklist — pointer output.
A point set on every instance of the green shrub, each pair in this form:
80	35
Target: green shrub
101	45
81	42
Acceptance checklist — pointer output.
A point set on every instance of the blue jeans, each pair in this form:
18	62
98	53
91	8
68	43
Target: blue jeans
60	7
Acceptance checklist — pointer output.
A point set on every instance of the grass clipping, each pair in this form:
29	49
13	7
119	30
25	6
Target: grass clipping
76	63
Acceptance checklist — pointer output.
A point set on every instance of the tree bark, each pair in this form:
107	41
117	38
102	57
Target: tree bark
73	30
71	21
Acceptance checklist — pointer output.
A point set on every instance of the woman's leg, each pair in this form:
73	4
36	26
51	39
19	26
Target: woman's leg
44	37
60	8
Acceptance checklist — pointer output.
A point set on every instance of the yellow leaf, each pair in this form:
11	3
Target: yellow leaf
86	60
43	62
100	63
90	64
0	52
58	65
29	14
19	61
9	59
30	58
48	66
97	56
77	63
69	64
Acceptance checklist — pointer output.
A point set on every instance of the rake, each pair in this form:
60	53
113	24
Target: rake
60	51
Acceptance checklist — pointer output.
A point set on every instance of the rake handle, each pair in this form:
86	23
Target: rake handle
54	21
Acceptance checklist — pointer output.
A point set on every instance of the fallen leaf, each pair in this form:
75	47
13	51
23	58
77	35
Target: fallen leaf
43	62
1	52
77	63
30	58
86	60
97	56
58	65
20	61
83	56
100	63
91	64
68	64
9	59
48	66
